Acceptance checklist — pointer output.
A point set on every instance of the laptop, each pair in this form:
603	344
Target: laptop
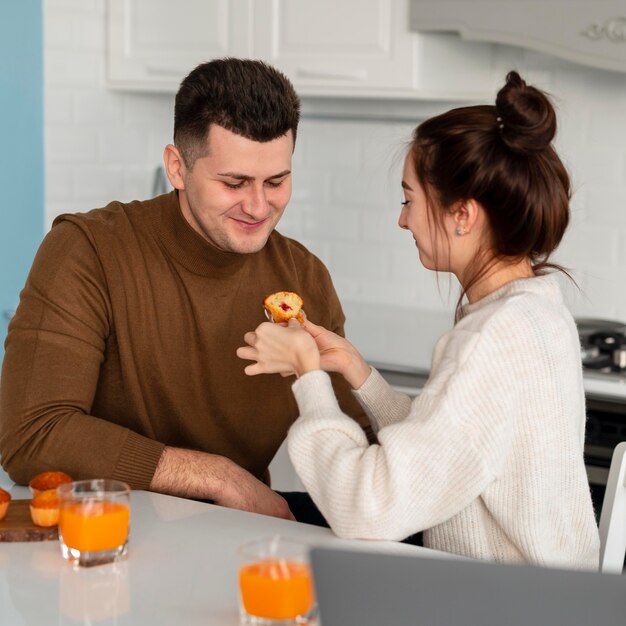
377	589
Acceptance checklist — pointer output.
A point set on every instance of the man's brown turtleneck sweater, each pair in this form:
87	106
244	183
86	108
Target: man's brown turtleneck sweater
124	343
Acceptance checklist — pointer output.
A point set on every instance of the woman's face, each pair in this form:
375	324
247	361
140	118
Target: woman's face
432	241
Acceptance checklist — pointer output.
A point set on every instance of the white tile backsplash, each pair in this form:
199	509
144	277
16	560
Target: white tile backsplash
58	31
73	66
96	108
103	145
91	181
606	204
124	145
70	144
59	105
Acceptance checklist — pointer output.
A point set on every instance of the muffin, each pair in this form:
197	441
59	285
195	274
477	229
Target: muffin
48	480
283	305
5	499
44	508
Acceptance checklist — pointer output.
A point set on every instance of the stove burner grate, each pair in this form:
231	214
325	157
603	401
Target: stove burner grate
604	350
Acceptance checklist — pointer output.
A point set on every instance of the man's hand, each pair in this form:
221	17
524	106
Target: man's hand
193	474
245	492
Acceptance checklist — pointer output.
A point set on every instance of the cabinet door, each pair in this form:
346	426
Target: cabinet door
331	47
591	33
154	44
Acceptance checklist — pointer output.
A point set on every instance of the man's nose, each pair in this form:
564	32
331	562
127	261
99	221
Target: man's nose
256	204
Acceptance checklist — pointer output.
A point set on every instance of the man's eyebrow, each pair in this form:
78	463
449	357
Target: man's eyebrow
237	176
405	185
280	174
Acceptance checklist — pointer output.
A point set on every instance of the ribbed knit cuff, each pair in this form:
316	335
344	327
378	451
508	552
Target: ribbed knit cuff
383	404
371	386
138	460
315	395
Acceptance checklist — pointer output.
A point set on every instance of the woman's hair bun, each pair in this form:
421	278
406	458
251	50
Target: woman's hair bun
526	118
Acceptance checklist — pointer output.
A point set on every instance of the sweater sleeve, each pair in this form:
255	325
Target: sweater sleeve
427	467
383	404
54	350
345	396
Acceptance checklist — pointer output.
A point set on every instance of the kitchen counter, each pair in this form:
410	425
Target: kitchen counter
181	568
404	379
400	336
598	386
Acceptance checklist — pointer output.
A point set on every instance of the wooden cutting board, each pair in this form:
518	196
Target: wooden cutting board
18	526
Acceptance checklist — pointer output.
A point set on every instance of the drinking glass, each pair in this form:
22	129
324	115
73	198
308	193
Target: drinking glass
94	520
275	583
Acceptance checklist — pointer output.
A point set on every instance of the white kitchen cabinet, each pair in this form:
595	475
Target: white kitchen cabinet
365	48
153	44
353	48
328	46
590	33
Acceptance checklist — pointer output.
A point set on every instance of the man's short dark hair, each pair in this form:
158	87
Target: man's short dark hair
245	96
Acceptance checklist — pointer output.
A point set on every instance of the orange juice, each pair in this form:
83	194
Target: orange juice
94	526
276	589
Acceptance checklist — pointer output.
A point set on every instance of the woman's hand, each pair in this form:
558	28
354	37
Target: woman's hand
337	354
279	349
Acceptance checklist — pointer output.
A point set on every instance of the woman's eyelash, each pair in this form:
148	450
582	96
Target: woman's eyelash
404	203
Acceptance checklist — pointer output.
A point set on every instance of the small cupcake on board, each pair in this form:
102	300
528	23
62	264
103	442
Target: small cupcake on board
48	480
5	499
44	508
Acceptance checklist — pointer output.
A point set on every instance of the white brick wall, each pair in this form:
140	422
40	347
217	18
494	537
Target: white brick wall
103	145
100	145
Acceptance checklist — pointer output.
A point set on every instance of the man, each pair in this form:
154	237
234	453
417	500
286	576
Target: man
120	361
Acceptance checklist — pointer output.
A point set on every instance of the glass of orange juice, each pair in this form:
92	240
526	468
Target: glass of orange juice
94	520
275	583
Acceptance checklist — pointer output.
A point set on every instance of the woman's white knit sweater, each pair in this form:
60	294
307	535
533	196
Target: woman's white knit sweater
487	460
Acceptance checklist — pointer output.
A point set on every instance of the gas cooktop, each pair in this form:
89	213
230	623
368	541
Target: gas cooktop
603	351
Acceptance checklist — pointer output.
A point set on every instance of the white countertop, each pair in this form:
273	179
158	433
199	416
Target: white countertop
181	568
605	387
403	339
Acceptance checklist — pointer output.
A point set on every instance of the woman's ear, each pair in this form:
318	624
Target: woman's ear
174	166
468	216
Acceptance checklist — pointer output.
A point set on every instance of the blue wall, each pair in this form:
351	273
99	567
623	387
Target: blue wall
21	153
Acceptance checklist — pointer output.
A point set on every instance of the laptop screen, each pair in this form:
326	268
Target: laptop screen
377	589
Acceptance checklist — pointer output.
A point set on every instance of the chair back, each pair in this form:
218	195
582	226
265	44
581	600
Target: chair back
613	515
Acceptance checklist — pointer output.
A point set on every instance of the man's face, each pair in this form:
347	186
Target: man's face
235	196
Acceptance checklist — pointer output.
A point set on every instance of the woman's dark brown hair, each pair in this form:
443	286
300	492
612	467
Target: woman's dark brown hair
245	96
502	157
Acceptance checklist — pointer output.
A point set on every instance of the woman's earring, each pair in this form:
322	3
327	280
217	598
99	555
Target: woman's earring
460	231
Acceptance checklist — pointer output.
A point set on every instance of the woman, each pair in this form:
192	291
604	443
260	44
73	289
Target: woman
488	459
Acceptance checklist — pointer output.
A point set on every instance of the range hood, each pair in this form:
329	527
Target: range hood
589	33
